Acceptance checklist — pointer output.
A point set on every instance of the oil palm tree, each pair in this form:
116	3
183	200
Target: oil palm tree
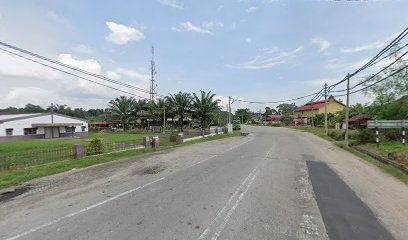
141	105
123	107
180	104
204	107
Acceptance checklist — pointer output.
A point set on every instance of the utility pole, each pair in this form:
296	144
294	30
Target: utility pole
325	110
229	107
153	72
227	114
346	136
52	113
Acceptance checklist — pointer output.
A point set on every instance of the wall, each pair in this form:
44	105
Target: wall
332	107
19	125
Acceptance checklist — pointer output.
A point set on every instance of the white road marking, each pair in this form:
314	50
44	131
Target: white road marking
83	210
209	158
208	229
232	210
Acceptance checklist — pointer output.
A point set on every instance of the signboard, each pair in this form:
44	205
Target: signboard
387	124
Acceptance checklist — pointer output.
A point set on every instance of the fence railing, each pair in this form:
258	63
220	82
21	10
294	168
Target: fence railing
14	161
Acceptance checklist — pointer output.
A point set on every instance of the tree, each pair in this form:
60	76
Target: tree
286	108
124	107
180	104
160	107
243	114
141	105
204	106
31	108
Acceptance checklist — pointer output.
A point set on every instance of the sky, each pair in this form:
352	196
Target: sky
254	50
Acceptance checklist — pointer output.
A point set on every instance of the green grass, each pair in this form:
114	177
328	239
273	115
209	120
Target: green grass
386	148
12	178
37	144
397	173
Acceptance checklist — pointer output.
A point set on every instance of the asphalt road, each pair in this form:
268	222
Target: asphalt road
255	187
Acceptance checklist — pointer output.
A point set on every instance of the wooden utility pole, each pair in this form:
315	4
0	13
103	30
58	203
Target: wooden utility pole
164	115
326	131
346	136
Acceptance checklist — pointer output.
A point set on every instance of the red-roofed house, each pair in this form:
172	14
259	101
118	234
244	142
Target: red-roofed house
312	109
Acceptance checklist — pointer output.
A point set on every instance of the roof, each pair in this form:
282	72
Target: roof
358	118
13	117
316	105
274	117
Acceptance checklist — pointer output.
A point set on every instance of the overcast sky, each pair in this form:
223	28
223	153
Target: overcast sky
257	50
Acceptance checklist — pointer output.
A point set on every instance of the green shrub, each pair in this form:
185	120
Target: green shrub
365	135
390	134
95	147
337	134
173	136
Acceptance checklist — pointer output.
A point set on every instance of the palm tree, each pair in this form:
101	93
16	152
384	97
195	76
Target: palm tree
123	107
141	105
180	104
204	108
160	108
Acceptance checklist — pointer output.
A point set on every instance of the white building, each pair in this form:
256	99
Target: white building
40	125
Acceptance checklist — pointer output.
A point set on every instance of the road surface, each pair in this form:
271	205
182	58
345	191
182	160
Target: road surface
276	183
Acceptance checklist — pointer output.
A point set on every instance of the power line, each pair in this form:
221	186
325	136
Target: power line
69	73
74	68
375	60
282	101
376	74
375	83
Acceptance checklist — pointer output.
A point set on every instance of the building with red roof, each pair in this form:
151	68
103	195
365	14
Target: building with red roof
311	109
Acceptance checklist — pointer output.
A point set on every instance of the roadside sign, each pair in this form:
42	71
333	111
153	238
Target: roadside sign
387	124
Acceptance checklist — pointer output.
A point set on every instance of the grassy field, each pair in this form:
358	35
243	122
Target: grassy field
37	144
12	178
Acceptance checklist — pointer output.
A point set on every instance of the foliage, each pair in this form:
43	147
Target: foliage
287	120
203	107
365	135
286	108
124	107
181	105
95	147
173	136
243	114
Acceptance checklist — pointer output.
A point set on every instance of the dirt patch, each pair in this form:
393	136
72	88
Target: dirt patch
155	169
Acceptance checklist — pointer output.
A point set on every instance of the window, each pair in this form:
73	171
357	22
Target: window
83	128
9	132
69	129
30	131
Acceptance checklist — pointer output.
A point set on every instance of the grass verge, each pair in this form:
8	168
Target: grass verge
12	178
397	173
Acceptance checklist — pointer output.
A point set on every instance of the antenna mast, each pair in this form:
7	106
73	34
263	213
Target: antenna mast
153	86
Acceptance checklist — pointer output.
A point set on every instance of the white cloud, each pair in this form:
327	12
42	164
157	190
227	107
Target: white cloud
133	74
172	3
121	34
322	81
211	24
323	44
83	48
348	67
113	75
248	40
369	46
251	9
234	106
189	27
90	65
268	58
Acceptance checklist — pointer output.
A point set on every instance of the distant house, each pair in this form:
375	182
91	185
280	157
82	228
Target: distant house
273	118
40	125
359	121
310	110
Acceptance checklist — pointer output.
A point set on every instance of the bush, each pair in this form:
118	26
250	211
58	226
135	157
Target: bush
173	136
95	147
390	134
337	134
365	135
